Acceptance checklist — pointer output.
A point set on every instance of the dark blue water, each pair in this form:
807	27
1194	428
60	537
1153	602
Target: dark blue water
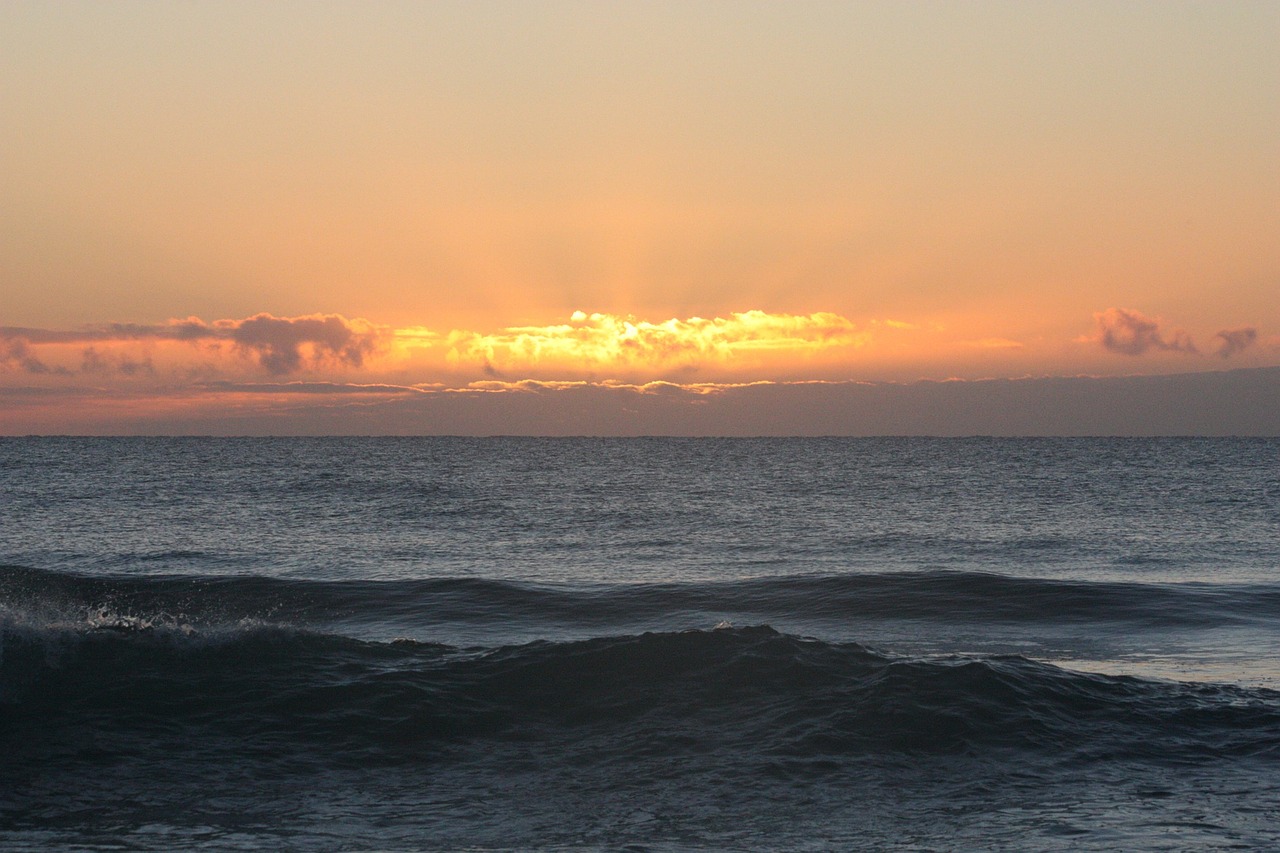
652	644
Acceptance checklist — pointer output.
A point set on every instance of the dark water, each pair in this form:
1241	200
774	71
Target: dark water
639	644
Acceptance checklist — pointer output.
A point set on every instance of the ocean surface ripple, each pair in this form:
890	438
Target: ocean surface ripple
653	645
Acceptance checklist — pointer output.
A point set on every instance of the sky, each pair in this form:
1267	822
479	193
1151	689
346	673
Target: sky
648	218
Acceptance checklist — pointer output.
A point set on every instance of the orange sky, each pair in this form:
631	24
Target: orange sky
439	195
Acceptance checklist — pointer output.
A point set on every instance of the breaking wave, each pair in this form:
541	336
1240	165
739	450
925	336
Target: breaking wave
255	678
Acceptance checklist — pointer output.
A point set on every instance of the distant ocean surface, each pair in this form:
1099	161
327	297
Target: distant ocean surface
639	644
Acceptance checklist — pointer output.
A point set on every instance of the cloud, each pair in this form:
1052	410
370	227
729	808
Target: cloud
1224	402
1128	332
587	343
613	340
417	336
93	361
656	387
16	352
279	341
281	345
190	329
1235	340
225	387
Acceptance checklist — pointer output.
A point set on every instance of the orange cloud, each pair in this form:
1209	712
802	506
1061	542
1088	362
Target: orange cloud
15	352
607	340
282	346
657	387
311	388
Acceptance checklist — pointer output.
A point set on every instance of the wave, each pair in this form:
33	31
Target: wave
131	689
370	608
295	668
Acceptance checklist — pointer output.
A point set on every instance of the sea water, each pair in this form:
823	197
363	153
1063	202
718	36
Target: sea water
646	644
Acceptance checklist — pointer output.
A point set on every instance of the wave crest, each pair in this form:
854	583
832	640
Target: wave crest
751	690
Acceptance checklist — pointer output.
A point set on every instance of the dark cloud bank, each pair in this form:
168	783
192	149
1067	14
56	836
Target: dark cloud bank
1236	402
1232	341
1128	332
281	345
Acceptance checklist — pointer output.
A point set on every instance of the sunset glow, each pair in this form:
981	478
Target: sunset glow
437	197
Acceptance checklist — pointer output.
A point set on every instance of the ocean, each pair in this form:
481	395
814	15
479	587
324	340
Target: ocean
649	644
